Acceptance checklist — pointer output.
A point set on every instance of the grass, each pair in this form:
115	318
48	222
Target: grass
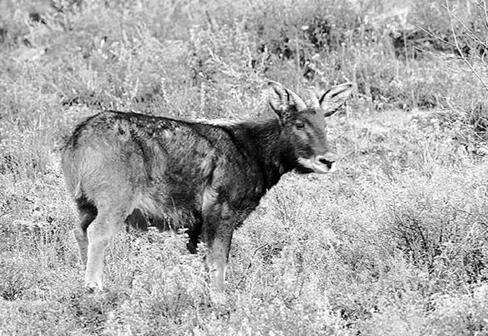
393	243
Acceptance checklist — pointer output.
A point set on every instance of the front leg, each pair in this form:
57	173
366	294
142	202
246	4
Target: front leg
218	227
219	247
194	234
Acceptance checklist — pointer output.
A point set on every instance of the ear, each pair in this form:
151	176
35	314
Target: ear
332	99
283	100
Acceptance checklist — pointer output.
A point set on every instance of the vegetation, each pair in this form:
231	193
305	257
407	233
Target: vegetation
393	243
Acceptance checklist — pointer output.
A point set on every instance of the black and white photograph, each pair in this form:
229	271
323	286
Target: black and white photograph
243	167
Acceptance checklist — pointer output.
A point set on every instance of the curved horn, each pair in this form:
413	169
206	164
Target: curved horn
281	98
333	98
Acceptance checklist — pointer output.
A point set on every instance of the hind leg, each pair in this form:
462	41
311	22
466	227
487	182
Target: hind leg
82	238
87	213
100	234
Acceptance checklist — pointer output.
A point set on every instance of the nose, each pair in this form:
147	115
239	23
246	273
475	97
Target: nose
327	160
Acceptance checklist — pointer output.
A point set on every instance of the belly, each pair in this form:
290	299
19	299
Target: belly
164	212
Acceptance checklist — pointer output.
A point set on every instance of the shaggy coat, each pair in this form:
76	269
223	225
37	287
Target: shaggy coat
129	167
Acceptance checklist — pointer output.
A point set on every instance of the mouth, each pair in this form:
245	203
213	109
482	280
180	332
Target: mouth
313	165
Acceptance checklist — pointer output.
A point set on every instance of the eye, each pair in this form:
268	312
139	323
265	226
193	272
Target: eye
299	124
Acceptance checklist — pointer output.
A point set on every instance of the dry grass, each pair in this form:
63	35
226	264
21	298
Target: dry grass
394	243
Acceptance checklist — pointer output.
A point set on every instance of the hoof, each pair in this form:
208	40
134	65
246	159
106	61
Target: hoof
92	288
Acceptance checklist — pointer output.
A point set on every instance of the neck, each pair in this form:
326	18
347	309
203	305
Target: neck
269	149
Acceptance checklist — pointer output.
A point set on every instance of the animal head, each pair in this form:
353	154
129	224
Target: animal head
303	124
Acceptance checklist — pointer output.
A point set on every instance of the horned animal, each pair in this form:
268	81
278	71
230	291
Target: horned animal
203	176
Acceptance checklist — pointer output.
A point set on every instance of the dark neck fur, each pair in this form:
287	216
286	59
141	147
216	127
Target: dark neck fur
265	144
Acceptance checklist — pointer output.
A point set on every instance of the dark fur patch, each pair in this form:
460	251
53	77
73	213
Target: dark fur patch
87	211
